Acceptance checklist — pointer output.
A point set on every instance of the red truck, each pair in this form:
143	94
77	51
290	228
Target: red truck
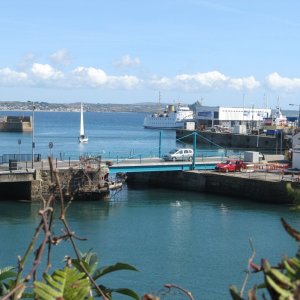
231	165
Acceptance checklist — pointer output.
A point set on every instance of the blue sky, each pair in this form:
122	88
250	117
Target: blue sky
222	52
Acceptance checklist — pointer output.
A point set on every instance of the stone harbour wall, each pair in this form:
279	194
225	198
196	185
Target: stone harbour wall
263	191
230	140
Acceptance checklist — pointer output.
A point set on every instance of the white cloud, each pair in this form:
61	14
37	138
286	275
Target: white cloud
191	82
276	82
61	57
162	83
96	78
127	82
46	72
248	83
90	76
127	61
208	80
12	78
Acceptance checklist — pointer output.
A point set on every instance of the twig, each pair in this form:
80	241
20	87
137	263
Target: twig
46	222
188	293
69	233
248	268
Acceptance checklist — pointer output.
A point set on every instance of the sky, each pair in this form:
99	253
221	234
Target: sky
220	52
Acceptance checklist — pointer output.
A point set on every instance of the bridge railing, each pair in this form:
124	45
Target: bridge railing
6	158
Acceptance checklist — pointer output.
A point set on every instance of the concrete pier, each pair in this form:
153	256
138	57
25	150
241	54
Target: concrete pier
261	187
78	179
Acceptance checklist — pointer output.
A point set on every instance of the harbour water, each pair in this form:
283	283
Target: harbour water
197	241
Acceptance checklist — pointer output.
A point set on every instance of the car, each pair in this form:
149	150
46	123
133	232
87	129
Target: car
231	165
179	154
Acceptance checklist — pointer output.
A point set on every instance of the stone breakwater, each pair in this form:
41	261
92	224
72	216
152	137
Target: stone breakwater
264	188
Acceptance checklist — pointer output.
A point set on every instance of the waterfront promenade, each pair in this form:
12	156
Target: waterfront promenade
258	181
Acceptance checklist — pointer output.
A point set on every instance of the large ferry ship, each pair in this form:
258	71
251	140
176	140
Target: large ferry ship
171	118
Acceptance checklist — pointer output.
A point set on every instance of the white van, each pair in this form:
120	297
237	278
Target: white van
179	154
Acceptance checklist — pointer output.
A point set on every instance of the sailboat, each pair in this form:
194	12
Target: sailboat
82	138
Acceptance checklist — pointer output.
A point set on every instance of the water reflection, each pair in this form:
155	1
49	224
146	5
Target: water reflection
223	208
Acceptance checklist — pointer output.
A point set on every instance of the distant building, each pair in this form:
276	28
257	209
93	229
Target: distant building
209	116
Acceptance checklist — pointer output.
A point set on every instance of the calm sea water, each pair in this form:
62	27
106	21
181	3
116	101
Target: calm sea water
198	241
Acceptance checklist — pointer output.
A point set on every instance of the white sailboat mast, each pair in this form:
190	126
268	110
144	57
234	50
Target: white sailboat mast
81	121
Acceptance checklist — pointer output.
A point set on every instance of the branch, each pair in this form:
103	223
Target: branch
69	233
250	261
188	293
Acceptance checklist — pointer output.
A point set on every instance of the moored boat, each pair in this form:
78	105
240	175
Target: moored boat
276	121
171	118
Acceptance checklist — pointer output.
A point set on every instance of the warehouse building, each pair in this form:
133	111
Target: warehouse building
230	117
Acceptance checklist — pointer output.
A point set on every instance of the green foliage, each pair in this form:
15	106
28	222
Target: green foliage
6	274
113	268
234	292
282	281
89	262
124	291
293	194
67	284
77	281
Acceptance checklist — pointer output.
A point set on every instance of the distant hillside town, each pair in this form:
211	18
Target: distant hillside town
147	107
45	106
92	107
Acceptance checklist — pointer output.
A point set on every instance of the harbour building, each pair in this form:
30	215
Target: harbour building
231	117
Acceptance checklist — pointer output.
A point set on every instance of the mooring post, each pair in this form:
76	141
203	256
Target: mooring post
194	148
159	146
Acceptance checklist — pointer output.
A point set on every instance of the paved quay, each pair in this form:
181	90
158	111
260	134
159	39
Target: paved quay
264	187
258	175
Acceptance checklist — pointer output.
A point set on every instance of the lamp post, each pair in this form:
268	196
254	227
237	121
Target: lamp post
33	142
291	104
19	143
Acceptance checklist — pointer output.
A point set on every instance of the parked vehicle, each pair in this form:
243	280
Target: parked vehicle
231	165
179	154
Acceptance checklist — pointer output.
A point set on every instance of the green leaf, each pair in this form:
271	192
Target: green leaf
124	291
280	291
127	292
89	260
78	265
290	230
92	259
117	267
46	292
69	284
7	273
235	294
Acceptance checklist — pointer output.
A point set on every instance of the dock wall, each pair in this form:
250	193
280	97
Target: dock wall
211	182
234	140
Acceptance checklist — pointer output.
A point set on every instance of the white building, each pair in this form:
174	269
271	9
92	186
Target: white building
296	151
231	116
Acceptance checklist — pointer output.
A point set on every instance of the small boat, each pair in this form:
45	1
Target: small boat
276	121
82	138
172	117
